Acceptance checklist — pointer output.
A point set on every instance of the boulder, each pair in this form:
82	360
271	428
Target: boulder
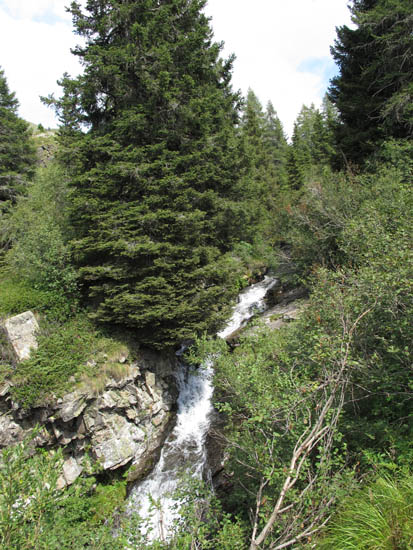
71	471
21	332
72	406
117	441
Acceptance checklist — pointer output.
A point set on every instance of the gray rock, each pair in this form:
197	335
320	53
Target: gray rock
277	316
117	441
21	332
10	431
126	423
71	471
73	405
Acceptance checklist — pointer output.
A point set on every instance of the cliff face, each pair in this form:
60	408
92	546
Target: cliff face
124	423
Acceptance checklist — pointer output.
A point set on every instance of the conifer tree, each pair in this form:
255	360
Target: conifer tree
263	152
252	149
156	201
312	142
374	89
276	145
17	155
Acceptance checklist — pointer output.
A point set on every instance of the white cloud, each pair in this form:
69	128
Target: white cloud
271	39
34	55
30	9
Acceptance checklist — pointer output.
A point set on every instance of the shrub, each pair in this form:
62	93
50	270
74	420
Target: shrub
38	230
63	350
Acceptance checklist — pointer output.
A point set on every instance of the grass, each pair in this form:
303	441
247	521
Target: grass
72	351
377	517
71	355
17	296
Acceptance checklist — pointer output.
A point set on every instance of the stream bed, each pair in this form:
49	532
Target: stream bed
184	450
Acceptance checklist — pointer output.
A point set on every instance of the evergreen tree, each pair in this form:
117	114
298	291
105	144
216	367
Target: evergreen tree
156	202
263	152
276	145
374	90
252	150
17	156
312	142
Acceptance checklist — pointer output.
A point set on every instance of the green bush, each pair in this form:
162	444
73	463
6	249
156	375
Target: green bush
35	515
38	231
18	295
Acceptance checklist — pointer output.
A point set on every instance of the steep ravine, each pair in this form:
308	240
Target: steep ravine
185	450
154	411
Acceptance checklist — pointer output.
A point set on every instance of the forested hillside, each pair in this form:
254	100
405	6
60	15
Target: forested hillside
166	193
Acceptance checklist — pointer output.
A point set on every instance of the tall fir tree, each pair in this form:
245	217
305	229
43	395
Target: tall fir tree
313	143
263	150
374	89
17	154
276	145
252	150
149	138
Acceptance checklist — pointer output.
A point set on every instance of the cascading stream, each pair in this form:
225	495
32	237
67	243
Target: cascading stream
185	446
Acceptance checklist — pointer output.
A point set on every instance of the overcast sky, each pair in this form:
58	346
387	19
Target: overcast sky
282	49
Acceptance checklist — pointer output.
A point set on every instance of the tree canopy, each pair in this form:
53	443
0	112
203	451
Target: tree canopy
373	91
17	156
156	199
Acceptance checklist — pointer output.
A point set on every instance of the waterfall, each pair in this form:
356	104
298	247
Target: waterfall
185	446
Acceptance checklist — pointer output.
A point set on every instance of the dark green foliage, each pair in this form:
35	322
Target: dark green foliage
374	89
62	353
276	145
35	515
312	143
17	155
263	149
156	203
38	231
263	158
71	354
355	338
320	215
17	295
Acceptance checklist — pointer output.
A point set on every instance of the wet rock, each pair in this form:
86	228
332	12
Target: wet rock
144	463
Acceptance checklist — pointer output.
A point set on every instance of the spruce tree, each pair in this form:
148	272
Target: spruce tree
263	151
312	142
17	155
149	139
374	89
276	145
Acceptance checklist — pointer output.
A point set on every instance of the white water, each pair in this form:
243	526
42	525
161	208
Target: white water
184	448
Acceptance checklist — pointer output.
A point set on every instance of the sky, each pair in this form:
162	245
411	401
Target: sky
281	47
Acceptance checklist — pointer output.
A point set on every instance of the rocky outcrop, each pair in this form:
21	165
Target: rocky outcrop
285	312
124	424
21	333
